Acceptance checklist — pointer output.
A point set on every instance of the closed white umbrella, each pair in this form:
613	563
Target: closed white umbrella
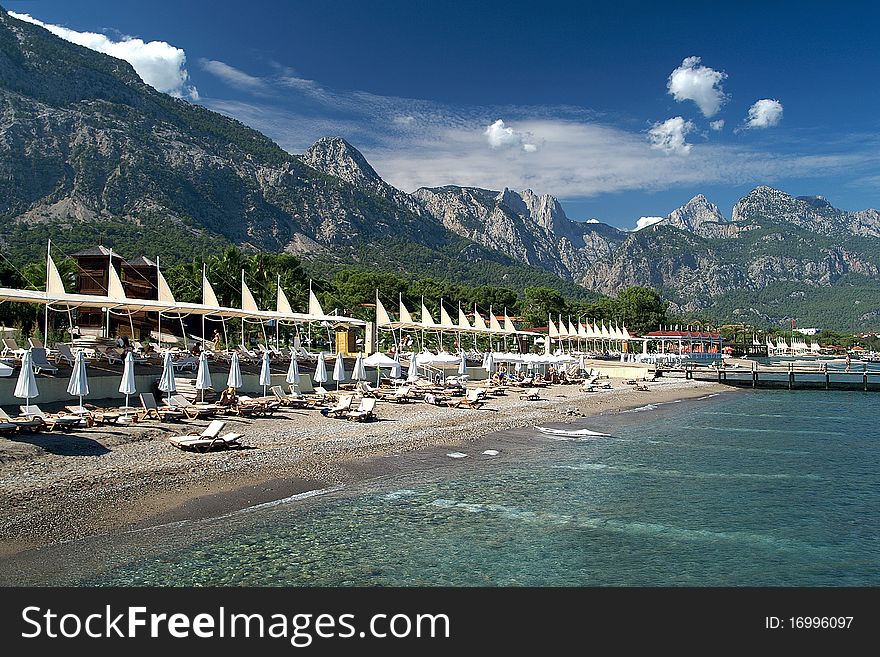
490	362
321	370
127	385
234	378
413	372
359	373
265	374
462	365
203	377
166	382
26	386
79	381
339	370
293	372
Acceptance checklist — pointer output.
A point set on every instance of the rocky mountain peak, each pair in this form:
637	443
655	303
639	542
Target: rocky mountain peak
336	157
700	217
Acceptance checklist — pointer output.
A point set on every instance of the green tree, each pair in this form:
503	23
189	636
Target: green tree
641	309
539	303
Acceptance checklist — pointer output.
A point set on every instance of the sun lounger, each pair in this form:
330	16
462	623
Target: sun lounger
364	411
63	352
341	407
292	399
52	421
208	439
10	347
530	396
96	415
192	411
642	388
25	423
152	409
41	362
260	405
474	399
399	395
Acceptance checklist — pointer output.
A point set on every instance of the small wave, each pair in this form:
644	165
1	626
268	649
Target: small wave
293	498
709	396
398	494
648	407
457	455
491	452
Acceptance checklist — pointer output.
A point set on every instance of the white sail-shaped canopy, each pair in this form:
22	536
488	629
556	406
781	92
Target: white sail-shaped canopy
248	303
382	317
563	329
164	291
282	303
463	323
508	323
115	289
479	322
427	320
572	331
314	305
552	331
208	297
54	284
445	319
405	317
493	323
582	330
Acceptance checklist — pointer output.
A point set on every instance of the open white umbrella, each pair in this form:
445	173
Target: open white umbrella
359	373
339	370
127	385
462	365
26	386
321	370
203	378
166	382
379	360
265	374
234	378
293	372
79	381
413	372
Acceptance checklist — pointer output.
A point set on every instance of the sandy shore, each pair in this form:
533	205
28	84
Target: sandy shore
60	487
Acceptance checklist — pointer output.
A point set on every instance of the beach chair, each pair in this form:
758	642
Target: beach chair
95	415
342	407
303	354
531	395
63	352
152	409
10	347
52	421
188	362
7	428
473	399
641	387
400	395
192	411
41	362
208	439
260	405
364	411
292	399
22	422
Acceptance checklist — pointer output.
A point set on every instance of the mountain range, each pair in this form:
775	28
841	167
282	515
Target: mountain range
89	154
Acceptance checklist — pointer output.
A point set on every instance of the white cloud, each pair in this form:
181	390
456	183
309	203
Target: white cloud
498	134
765	113
592	221
717	126
232	76
669	135
160	65
404	120
644	222
701	84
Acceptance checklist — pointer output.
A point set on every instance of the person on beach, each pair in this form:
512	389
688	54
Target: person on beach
217	340
847	362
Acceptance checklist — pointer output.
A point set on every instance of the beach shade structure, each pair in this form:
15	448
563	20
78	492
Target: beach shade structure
265	374
26	386
321	370
126	385
203	377
293	372
380	360
413	372
462	365
234	379
166	382
78	386
359	373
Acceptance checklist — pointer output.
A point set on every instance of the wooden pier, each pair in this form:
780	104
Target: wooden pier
858	377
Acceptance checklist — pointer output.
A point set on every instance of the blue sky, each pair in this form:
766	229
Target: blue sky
606	107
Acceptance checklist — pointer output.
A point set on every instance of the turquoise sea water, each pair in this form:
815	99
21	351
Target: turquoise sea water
750	488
